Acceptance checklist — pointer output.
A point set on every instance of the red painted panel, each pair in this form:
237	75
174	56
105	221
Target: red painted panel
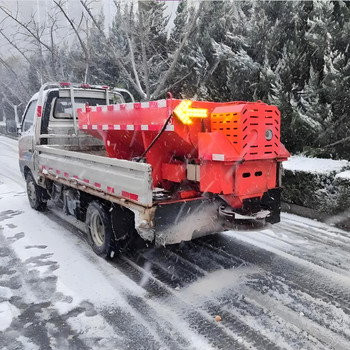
174	172
110	189
216	177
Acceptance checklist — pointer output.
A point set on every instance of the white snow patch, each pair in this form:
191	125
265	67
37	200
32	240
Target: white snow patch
164	311
81	275
281	238
249	237
27	344
344	175
315	165
5	293
214	283
281	308
307	223
94	327
7	313
43	270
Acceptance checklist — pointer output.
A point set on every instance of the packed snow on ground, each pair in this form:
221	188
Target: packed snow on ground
284	239
81	279
67	273
7	313
315	165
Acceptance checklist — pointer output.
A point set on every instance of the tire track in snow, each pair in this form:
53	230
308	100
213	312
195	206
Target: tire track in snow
29	294
172	270
314	279
199	321
314	326
270	292
316	252
340	242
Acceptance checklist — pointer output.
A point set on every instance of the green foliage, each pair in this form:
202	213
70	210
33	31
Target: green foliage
322	192
292	54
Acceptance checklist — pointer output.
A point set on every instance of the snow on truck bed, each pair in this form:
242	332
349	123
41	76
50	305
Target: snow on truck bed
316	165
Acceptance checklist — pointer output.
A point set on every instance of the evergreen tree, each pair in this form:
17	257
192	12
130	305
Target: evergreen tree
214	50
180	24
292	54
151	42
185	78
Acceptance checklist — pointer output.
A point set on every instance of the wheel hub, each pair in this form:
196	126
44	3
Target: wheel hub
97	229
31	192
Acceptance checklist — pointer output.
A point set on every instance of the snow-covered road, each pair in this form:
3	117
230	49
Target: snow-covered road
285	286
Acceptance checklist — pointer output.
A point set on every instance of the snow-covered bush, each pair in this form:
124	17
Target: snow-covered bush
319	184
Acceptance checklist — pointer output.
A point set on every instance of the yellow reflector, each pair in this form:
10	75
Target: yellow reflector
184	112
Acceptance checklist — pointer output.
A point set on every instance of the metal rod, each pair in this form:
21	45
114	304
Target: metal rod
74	112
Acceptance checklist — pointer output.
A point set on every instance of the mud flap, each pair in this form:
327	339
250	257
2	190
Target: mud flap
186	220
271	200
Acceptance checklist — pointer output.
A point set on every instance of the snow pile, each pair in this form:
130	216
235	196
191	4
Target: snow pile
344	175
315	165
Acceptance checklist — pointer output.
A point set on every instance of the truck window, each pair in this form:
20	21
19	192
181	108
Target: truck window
63	106
29	116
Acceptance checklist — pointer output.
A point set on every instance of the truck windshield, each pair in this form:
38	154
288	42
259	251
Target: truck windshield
29	116
63	106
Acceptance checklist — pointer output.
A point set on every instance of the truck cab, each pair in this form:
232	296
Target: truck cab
50	118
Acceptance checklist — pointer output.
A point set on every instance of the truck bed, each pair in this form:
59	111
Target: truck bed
97	150
91	167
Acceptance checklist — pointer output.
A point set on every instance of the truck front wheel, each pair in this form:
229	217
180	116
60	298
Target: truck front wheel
36	194
100	232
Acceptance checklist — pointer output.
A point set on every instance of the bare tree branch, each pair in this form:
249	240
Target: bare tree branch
70	21
5	95
36	34
171	86
134	82
24	26
52	30
82	44
136	75
12	43
7	66
15	75
337	142
97	25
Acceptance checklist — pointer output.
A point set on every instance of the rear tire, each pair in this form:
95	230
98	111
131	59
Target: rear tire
36	194
100	232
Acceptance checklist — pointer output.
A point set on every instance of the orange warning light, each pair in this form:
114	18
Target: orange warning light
184	112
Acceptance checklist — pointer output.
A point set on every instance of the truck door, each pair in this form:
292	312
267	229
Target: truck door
26	141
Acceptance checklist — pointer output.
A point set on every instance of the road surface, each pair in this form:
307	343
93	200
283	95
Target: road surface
285	286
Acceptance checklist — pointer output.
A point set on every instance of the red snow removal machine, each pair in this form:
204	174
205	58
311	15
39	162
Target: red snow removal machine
211	163
170	170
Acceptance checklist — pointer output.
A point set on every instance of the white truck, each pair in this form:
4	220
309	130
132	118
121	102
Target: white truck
124	167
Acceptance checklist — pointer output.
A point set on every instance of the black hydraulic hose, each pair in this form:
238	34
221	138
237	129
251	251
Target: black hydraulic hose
156	138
